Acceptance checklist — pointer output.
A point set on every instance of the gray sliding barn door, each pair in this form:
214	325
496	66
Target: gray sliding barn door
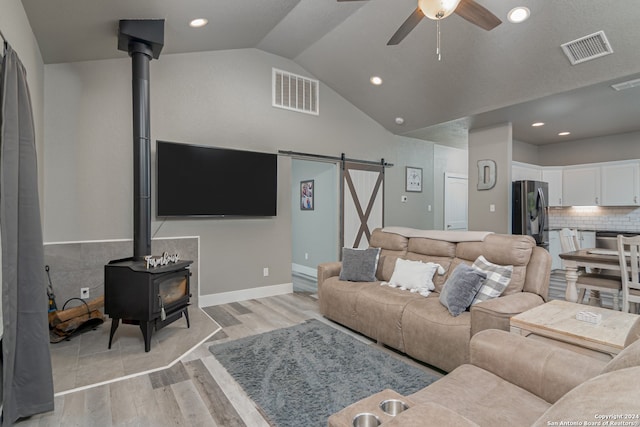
362	202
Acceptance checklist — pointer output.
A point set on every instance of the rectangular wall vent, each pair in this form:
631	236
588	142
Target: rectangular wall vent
626	85
293	92
587	48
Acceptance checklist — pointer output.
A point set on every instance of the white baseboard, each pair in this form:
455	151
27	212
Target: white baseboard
303	269
244	294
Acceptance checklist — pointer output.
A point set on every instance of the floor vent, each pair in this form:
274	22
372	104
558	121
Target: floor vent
294	92
587	48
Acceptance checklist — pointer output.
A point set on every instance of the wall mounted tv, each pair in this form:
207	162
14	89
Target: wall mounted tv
195	180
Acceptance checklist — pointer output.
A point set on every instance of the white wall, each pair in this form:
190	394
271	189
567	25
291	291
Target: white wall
17	31
218	98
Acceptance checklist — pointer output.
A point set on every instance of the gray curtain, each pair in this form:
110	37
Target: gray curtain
27	383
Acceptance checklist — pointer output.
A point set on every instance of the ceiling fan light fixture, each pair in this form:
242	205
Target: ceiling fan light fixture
518	14
437	9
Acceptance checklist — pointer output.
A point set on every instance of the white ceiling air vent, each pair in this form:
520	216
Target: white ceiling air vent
587	48
293	92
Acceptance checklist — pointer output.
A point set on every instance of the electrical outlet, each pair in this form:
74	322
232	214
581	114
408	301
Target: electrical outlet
84	293
265	271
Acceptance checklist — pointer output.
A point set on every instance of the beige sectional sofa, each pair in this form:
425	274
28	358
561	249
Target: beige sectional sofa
421	326
516	381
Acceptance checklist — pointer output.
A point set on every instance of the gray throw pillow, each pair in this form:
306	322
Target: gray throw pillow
460	288
359	265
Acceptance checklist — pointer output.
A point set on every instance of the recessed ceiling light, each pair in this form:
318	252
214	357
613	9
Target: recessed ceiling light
536	124
518	14
375	80
564	133
399	120
199	22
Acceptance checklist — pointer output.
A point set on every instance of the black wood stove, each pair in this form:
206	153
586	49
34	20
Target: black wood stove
150	297
136	293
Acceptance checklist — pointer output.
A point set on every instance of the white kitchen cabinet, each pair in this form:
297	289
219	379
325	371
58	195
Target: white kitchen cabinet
586	239
620	183
581	185
525	171
555	249
553	176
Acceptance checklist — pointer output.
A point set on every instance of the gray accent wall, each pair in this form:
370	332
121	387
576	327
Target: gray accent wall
220	98
622	146
493	143
315	232
412	213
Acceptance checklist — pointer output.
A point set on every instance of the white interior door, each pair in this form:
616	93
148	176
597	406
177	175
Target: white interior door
456	188
363	203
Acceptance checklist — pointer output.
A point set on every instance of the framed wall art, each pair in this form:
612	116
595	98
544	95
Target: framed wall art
306	195
413	179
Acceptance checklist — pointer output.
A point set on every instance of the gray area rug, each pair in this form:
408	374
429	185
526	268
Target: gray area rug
302	374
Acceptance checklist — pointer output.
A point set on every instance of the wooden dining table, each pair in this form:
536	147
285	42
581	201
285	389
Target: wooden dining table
593	258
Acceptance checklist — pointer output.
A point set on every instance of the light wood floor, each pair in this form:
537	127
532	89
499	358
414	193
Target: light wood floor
197	391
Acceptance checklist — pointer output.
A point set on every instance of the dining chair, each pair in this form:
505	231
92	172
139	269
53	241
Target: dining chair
589	281
629	256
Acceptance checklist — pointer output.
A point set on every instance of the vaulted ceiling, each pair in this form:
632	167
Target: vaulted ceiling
515	72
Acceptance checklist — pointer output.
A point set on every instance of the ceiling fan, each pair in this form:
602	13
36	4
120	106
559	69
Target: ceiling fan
440	9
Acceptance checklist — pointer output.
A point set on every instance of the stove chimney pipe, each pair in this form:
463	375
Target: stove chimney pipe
143	40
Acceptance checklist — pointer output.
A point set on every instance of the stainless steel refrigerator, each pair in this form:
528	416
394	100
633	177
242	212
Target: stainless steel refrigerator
530	211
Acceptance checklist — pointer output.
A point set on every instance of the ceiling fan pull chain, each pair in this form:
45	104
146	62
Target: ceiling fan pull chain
438	41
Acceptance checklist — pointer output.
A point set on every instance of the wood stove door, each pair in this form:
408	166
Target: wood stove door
171	291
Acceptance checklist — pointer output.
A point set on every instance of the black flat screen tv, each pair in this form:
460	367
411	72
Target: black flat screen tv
195	180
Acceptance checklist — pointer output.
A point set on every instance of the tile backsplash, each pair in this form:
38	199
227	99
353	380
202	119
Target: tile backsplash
596	218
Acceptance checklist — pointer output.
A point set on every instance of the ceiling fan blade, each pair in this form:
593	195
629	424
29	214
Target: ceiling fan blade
477	14
406	27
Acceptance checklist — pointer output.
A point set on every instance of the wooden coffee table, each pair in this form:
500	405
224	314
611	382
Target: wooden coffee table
557	320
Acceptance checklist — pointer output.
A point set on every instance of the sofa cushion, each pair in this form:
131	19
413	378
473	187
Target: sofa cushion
359	265
386	265
503	250
389	243
415	276
431	334
614	394
379	314
432	247
627	358
437	415
337	300
461	288
484	398
498	278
